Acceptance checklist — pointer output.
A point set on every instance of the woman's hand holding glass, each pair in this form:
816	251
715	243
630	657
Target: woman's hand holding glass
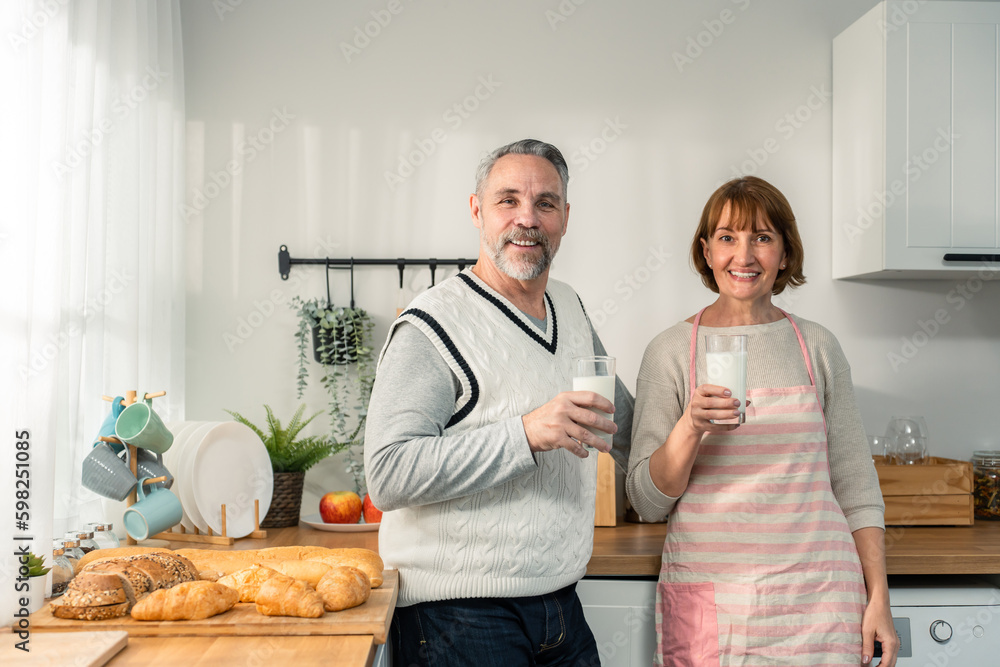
711	402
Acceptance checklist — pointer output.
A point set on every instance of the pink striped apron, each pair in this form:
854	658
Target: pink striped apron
759	565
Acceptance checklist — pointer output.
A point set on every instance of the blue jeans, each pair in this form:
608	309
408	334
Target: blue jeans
502	632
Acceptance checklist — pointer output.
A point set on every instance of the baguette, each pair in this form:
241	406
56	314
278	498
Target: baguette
248	581
189	600
365	560
343	587
283	596
309	571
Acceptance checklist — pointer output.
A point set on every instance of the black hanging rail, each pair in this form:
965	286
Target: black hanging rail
286	261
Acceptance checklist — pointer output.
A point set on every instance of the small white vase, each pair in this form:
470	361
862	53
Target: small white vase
36	594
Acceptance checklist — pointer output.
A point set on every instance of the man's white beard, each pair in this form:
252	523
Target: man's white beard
526	268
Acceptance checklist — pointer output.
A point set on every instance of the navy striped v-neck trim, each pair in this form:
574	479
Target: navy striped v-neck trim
528	329
459	359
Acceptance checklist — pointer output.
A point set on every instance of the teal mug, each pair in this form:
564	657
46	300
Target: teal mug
139	425
108	427
156	510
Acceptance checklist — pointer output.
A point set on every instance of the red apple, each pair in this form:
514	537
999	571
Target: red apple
372	513
340	507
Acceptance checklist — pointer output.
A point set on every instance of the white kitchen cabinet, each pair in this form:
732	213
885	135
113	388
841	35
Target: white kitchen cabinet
915	141
621	614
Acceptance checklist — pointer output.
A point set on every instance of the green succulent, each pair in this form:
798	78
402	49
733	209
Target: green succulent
36	566
287	453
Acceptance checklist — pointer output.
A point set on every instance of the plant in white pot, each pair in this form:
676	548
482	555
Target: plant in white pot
291	456
341	343
34	567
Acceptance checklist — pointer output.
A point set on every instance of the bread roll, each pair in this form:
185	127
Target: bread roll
247	582
189	600
343	587
365	560
283	596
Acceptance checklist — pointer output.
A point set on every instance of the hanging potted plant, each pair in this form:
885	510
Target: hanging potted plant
341	343
291	457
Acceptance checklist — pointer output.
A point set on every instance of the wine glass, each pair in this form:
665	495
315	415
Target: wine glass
907	440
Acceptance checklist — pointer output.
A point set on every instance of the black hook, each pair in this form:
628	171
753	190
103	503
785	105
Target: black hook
352	282
433	264
400	264
329	304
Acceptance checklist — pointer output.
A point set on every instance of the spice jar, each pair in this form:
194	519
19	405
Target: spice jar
104	535
986	484
72	550
62	571
86	537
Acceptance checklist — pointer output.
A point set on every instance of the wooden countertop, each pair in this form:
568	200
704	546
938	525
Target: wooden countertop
634	549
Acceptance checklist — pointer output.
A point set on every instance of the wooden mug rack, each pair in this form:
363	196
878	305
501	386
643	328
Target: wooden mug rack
183	535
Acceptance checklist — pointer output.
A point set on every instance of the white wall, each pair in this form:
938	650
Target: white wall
671	134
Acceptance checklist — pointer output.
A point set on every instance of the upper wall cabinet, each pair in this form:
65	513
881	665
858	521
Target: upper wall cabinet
915	130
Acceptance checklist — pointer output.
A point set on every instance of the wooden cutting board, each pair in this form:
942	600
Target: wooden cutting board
83	649
371	618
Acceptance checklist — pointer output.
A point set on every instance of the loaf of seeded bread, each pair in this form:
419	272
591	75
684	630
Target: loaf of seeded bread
97	595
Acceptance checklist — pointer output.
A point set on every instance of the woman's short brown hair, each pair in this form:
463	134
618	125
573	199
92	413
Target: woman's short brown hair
750	199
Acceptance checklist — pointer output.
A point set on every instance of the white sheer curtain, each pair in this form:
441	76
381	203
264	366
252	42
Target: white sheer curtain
91	268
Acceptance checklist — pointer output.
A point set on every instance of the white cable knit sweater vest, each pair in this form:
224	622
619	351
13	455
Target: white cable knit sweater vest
529	536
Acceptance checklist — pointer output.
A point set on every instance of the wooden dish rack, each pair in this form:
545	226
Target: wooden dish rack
183	535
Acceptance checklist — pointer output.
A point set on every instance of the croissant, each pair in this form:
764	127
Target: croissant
284	596
343	587
189	600
309	571
249	580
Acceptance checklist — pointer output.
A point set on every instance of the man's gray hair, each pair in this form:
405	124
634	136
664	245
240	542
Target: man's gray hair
524	147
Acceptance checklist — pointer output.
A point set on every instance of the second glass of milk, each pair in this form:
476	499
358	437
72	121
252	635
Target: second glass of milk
726	363
596	374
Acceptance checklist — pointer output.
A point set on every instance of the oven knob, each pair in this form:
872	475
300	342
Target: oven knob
940	631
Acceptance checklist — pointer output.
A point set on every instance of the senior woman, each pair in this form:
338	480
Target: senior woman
775	549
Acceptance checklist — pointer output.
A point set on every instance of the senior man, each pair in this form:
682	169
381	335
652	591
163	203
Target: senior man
475	450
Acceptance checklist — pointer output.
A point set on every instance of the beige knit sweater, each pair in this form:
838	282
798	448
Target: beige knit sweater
775	360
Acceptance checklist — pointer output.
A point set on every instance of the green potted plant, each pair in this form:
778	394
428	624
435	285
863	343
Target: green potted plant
341	343
36	581
291	456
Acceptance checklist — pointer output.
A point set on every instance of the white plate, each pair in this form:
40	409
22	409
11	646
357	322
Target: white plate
230	466
173	458
316	521
185	475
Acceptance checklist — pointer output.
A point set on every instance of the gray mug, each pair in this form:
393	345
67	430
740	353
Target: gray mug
107	474
150	464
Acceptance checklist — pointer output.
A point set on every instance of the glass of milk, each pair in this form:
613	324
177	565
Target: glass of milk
596	374
726	363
